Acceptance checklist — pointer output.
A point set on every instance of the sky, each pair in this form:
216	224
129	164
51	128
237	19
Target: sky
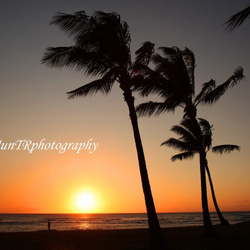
35	109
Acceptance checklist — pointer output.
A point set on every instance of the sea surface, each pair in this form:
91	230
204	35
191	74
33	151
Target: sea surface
37	222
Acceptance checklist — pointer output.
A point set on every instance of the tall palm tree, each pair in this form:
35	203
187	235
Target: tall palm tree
237	19
102	48
188	144
173	81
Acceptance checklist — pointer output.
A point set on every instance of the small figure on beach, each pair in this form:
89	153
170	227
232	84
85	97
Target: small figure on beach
49	225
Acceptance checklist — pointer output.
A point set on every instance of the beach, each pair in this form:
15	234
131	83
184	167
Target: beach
229	237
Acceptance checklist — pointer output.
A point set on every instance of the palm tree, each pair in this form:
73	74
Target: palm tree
102	48
188	144
173	80
237	19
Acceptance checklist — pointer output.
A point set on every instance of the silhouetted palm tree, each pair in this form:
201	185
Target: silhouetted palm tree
173	80
188	144
237	19
102	48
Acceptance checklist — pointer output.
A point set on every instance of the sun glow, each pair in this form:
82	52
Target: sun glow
85	202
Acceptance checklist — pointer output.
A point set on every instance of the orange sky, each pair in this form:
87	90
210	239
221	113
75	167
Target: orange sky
47	182
34	106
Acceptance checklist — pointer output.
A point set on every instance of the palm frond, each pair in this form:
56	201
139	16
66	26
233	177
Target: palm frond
93	29
206	89
152	108
205	126
102	85
154	83
162	64
144	54
114	27
217	92
183	156
113	35
237	19
170	79
177	67
60	56
204	123
177	144
188	124
227	148
172	53
102	35
143	79
185	136
77	59
71	24
206	130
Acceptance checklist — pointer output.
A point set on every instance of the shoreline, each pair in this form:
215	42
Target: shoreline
235	236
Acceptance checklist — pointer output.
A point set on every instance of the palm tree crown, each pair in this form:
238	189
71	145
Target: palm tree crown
237	19
188	144
173	80
97	41
102	48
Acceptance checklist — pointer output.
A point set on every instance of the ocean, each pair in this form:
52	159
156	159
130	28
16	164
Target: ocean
37	222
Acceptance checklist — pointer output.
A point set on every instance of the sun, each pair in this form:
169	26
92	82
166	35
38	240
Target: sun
85	202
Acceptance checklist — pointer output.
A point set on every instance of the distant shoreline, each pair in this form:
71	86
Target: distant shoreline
243	211
230	237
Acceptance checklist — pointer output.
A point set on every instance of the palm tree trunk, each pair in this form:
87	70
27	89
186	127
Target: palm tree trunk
208	227
223	221
156	237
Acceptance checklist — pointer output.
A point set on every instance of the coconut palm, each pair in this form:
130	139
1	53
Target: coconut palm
237	19
188	144
173	81
102	48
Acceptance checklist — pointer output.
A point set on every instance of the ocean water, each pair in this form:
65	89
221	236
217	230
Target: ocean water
37	222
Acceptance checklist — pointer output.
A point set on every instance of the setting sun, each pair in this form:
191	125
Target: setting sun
85	202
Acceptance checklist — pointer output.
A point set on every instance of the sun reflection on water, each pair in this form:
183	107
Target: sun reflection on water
84	226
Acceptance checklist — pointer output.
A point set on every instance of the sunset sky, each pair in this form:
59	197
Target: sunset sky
34	107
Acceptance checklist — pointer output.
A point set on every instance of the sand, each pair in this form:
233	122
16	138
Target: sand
229	237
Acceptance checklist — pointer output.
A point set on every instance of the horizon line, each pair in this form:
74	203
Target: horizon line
18	213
